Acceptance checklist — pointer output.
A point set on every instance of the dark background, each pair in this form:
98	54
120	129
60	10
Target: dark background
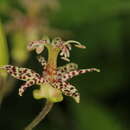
104	27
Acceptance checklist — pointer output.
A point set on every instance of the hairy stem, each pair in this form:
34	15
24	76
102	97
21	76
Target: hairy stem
41	115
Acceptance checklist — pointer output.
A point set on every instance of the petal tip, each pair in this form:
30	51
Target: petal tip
77	99
98	70
80	46
20	94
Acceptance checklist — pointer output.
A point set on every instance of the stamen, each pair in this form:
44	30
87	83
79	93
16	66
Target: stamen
79	45
66	59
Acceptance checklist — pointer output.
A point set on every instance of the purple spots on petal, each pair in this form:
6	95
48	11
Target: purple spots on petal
25	70
73	73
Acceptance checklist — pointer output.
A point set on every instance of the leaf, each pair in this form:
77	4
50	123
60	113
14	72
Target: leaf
4	56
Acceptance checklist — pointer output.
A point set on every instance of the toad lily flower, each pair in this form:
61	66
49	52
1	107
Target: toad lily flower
54	80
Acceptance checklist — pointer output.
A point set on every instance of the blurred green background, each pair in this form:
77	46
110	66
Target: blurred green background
104	27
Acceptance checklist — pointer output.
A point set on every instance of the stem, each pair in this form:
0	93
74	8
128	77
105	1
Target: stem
40	116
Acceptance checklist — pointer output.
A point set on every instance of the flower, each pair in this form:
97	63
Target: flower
54	80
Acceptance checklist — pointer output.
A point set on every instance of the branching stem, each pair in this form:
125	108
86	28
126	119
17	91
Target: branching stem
41	116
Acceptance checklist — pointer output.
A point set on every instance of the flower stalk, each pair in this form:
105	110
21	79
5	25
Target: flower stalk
46	109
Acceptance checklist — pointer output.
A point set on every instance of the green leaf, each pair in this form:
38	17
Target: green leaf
4	56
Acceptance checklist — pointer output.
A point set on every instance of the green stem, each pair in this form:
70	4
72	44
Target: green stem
41	116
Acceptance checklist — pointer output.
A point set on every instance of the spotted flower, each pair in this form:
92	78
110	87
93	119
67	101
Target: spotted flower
53	81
